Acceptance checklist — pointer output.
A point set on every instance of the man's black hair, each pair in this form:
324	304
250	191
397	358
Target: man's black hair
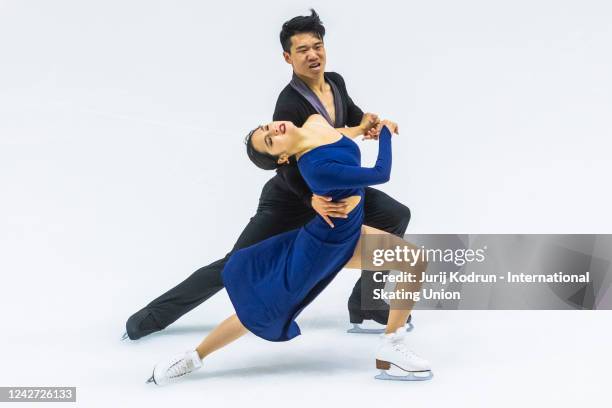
301	24
262	160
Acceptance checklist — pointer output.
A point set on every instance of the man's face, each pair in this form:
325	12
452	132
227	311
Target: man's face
307	55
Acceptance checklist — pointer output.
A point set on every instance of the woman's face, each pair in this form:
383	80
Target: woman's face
274	138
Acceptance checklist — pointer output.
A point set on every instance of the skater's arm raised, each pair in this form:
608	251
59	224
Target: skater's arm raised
330	175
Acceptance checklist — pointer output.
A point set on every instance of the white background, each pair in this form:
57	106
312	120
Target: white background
122	170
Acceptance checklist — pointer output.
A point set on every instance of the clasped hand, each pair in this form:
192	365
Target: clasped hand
372	125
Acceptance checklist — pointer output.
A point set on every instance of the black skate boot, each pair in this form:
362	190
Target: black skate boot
140	324
378	313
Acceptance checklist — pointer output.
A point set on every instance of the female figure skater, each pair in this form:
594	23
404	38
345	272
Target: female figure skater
270	283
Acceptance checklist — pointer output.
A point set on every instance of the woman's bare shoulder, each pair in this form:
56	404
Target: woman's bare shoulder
318	125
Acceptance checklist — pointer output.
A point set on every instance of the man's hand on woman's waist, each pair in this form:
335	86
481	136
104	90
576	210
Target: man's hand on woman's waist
327	208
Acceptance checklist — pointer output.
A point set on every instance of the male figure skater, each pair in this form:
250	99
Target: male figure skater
286	203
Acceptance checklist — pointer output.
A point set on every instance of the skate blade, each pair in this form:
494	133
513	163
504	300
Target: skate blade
152	379
410	376
125	336
360	330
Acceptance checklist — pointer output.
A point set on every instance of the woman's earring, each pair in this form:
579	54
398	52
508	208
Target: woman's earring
283	159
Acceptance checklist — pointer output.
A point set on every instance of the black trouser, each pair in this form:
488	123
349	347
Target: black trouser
279	211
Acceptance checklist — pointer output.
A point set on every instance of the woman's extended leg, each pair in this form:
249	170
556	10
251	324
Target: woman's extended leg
229	330
169	370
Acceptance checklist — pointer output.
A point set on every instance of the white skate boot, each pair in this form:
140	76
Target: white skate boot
170	370
394	356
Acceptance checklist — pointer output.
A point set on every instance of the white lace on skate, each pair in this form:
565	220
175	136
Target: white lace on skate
408	354
401	347
179	368
175	368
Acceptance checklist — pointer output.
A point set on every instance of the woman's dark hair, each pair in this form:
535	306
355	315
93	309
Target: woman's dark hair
262	160
301	24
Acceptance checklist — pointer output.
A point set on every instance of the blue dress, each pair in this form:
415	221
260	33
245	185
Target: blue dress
271	282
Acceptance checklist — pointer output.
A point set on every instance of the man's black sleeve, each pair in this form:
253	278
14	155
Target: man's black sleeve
355	114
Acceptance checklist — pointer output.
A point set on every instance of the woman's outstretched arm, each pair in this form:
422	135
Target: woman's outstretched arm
330	175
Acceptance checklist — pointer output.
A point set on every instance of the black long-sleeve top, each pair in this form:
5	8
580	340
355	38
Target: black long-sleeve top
293	107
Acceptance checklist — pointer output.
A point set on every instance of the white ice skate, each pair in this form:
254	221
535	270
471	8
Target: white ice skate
170	370
397	362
